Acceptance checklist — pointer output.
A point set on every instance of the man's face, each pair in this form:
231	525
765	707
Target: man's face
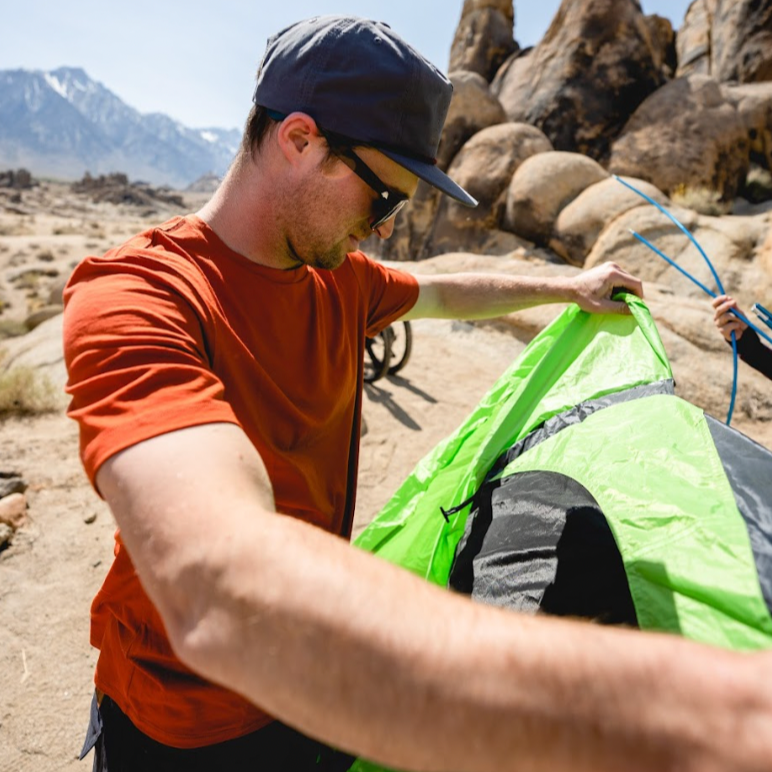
333	212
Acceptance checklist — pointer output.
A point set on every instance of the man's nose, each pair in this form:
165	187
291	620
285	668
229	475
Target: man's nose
384	230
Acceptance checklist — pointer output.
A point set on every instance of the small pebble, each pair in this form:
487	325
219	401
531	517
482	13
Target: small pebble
13	510
88	519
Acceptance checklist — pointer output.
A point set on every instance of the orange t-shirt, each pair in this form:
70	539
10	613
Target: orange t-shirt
173	329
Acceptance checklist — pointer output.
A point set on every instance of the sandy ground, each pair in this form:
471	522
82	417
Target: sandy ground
56	563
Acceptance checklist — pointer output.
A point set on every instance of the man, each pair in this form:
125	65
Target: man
216	369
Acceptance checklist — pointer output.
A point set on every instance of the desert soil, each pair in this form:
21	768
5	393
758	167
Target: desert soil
56	562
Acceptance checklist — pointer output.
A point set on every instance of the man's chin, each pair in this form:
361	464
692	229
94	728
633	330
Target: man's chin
331	260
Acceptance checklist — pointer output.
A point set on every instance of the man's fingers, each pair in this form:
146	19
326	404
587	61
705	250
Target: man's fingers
619	279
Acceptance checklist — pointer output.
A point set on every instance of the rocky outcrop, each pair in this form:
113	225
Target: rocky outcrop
693	40
685	135
730	40
597	62
18	179
116	189
484	37
695	138
741	41
472	108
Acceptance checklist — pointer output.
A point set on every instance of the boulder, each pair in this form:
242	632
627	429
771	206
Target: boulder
484	37
693	40
578	225
484	167
730	40
733	245
741	41
542	186
753	102
472	108
37	318
11	482
663	39
40	350
597	62
687	135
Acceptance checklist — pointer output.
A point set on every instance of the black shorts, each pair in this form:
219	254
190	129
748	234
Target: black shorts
120	747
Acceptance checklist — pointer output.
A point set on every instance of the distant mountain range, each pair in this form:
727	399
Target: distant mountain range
62	124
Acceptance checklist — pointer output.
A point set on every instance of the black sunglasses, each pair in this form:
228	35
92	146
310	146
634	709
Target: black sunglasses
389	201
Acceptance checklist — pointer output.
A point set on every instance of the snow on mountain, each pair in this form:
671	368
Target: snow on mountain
62	123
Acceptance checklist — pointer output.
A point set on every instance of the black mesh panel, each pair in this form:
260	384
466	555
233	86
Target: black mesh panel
539	541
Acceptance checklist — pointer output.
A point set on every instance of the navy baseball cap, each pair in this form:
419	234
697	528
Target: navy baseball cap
358	78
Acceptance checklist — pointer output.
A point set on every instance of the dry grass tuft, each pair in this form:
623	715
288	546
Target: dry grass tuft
758	185
702	200
25	392
11	328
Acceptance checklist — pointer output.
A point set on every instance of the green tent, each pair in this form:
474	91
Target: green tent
582	485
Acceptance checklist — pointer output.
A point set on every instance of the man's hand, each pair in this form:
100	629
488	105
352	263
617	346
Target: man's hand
594	288
726	322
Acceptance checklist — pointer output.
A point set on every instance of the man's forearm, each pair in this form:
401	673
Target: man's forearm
485	296
380	663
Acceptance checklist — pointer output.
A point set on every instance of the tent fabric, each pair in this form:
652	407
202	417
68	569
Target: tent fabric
582	485
578	358
748	466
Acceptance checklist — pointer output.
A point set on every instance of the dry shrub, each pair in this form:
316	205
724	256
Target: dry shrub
702	200
12	328
758	185
25	392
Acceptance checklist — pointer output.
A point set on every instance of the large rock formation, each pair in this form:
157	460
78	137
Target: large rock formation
730	40
597	62
685	135
484	37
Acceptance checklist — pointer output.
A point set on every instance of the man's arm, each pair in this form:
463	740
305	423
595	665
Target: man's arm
366	656
484	296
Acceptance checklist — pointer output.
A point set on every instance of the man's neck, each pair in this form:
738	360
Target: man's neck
243	218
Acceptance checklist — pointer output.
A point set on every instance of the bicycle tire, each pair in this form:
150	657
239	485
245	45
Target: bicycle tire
377	356
401	347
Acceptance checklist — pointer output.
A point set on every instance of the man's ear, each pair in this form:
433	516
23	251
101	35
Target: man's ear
298	137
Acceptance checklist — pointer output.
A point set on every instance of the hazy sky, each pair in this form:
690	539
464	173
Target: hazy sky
196	61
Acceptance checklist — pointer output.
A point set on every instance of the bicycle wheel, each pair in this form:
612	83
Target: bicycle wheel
377	355
401	346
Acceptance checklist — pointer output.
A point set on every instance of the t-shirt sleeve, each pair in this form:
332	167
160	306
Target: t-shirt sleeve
390	293
137	360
